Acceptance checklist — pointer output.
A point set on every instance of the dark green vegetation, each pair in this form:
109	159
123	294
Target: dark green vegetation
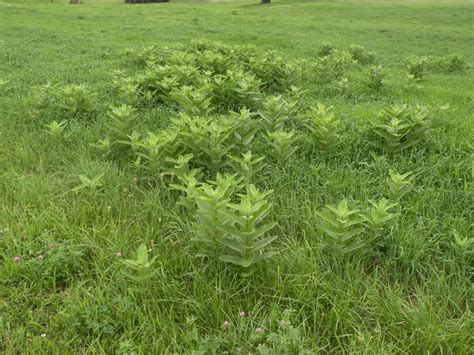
134	219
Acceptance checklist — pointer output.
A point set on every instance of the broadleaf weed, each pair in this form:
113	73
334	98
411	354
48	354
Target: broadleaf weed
399	127
343	228
283	145
245	231
399	184
324	127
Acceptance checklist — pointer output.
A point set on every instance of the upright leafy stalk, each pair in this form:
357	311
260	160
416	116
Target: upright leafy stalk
378	219
246	232
417	67
188	183
244	128
276	113
324	127
211	216
123	121
75	99
375	77
283	145
248	166
180	166
399	184
192	101
342	227
216	146
139	270
58	129
90	184
154	149
129	94
361	55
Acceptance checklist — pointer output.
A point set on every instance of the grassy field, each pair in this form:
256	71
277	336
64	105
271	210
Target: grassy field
87	194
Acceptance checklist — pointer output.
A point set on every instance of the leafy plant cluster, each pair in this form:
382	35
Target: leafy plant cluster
230	212
399	127
213	144
332	68
419	66
217	151
217	160
206	76
349	230
71	101
209	140
231	219
204	180
361	55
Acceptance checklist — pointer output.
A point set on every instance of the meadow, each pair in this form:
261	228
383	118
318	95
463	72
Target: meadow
208	178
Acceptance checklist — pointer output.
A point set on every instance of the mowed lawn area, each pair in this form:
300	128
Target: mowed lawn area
133	220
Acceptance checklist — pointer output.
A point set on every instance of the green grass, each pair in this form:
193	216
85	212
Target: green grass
414	297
